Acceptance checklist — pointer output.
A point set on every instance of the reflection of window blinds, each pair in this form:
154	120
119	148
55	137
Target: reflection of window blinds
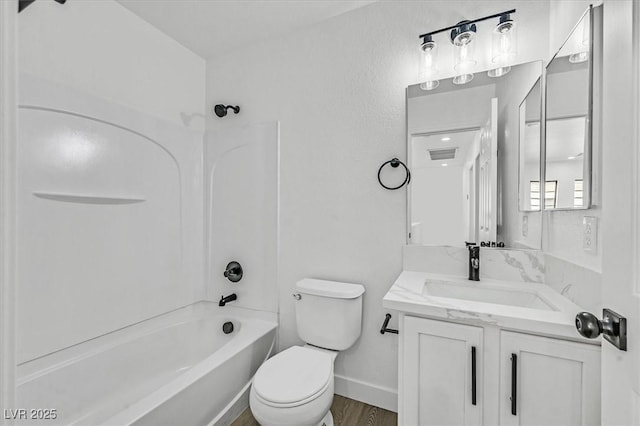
577	193
550	194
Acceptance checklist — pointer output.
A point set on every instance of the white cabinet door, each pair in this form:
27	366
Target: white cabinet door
437	384
548	381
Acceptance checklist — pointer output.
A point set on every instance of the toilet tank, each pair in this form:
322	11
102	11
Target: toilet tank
329	313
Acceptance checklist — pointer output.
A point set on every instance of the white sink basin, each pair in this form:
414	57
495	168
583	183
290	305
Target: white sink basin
486	293
530	307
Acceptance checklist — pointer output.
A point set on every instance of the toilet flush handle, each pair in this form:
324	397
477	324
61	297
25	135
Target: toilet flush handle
297	296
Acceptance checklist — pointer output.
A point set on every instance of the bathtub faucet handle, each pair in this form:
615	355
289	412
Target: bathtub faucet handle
233	272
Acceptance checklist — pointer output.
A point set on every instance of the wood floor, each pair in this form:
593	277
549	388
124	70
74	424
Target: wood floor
346	412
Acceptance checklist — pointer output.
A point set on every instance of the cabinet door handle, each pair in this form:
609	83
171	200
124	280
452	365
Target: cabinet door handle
514	382
473	375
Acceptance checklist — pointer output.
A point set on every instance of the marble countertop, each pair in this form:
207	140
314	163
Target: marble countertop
407	295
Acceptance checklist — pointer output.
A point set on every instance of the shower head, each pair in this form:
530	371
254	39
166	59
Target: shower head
221	110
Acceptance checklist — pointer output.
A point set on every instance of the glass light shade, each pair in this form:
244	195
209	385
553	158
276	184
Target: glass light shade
428	60
462	78
429	85
504	43
576	58
428	64
498	72
464	62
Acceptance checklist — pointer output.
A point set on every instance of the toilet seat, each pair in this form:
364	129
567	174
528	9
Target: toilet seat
293	377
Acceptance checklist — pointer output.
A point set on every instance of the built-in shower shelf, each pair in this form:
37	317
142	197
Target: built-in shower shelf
87	199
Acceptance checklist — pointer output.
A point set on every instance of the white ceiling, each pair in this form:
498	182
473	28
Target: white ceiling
212	27
462	140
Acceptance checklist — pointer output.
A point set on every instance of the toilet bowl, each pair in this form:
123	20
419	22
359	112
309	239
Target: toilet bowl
295	387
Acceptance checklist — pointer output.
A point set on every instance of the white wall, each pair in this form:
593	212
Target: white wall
105	50
338	90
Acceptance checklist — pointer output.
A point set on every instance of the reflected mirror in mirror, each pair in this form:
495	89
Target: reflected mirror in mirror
463	152
568	122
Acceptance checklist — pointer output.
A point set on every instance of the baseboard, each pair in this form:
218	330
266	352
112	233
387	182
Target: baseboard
371	394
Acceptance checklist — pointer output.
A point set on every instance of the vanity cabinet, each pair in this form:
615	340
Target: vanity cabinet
556	382
439	386
518	379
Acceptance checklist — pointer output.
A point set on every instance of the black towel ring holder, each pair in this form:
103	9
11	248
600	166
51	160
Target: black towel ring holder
394	162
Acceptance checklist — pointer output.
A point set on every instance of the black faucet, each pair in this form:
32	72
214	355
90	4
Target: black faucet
474	263
229	298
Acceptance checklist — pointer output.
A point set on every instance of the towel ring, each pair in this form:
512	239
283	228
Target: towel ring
394	162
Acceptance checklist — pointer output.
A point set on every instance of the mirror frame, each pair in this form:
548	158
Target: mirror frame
587	172
541	141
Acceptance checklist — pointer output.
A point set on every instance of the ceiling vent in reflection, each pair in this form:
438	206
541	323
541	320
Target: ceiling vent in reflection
442	154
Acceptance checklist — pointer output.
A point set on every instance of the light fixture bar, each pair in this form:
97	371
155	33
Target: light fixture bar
495	15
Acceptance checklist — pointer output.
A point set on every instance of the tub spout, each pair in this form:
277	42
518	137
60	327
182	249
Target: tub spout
229	298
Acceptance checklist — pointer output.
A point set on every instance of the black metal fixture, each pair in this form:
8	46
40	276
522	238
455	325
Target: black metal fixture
613	327
474	385
514	384
221	110
384	328
230	298
474	263
233	271
395	163
461	37
22	4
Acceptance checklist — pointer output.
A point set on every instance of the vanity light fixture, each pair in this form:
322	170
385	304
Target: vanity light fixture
462	37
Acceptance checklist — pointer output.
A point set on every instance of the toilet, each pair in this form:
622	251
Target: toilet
295	387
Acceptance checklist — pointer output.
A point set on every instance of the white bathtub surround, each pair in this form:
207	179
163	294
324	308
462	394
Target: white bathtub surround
241	172
497	264
581	285
157	372
110	217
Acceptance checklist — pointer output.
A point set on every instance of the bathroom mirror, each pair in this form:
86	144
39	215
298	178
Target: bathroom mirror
569	93
529	150
463	152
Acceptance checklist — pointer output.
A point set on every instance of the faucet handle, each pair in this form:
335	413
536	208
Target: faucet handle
233	272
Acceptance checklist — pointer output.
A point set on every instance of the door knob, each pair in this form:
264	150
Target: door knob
613	327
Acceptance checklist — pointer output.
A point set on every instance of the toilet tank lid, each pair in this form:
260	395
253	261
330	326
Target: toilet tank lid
335	289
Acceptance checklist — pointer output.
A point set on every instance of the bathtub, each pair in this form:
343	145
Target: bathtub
175	369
